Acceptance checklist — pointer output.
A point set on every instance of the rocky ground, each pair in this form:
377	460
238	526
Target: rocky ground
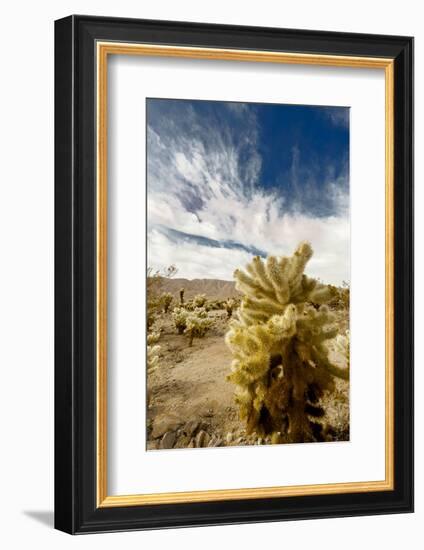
191	403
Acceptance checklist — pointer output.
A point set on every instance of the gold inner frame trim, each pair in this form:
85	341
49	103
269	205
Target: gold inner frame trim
104	49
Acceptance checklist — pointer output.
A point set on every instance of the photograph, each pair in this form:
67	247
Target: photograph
248	273
233	273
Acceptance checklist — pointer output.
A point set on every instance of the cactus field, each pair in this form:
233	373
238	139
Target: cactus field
268	364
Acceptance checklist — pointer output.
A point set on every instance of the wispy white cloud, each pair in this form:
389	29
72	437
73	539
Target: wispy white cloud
206	184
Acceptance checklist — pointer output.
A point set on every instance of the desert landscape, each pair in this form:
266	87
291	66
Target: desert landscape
248	255
191	401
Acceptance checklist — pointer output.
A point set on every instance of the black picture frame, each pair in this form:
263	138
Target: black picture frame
76	508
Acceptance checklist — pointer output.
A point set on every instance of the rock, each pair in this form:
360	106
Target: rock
165	423
183	442
191	427
215	441
168	440
202	439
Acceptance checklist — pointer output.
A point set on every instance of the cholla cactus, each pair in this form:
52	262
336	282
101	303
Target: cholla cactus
281	366
153	338
229	305
179	316
152	358
199	300
181	296
166	300
197	324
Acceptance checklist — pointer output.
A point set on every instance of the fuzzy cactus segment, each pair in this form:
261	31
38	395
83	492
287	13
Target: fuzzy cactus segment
179	316
197	324
153	338
280	361
152	357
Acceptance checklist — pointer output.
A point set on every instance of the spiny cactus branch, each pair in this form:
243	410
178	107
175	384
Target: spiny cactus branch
280	362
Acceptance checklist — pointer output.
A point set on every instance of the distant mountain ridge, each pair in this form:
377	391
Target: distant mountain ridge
215	289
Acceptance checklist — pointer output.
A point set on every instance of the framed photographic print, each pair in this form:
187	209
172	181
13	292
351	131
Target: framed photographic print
234	274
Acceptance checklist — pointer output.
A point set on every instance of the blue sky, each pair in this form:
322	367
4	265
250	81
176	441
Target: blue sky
230	180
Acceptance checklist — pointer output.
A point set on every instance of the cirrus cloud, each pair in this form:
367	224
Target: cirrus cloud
209	206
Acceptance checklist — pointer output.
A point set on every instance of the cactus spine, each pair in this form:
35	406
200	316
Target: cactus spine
281	366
